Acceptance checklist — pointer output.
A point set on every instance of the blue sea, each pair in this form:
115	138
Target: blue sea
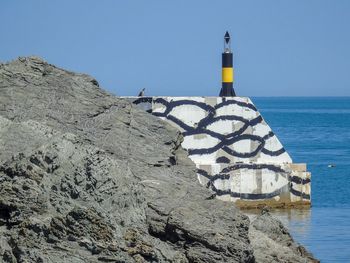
316	131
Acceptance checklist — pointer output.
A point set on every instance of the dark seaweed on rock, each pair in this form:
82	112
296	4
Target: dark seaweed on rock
88	177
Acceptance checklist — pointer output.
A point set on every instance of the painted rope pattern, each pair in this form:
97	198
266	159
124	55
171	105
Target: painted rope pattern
225	175
230	136
224	140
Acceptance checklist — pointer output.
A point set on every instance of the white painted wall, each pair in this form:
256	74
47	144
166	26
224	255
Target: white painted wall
242	140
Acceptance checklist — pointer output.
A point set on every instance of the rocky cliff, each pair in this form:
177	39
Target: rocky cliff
88	177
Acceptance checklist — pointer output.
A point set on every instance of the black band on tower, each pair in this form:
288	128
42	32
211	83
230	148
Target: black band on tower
227	90
227	60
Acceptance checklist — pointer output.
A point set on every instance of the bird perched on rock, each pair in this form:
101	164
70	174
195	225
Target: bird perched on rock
142	93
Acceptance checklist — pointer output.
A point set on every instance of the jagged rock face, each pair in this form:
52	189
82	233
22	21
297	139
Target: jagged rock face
273	243
87	177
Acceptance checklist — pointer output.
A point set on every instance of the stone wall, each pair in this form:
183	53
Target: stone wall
236	153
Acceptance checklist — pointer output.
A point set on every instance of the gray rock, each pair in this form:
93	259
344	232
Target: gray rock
272	242
88	177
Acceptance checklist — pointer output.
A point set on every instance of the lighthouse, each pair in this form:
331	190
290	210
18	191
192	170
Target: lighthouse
227	69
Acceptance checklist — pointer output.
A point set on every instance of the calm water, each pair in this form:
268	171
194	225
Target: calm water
317	131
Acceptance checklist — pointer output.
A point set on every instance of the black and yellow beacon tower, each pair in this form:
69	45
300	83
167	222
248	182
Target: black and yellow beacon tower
227	69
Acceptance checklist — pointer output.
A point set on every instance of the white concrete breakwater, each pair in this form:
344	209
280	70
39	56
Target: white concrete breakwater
236	153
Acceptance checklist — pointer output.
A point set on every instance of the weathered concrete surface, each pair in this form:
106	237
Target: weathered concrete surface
88	177
236	153
219	129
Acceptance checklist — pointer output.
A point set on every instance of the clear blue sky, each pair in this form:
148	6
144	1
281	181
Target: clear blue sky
281	48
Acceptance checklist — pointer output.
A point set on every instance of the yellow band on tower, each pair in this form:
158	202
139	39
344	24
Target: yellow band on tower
227	74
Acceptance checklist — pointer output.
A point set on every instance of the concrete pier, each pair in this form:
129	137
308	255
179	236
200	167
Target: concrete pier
236	153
